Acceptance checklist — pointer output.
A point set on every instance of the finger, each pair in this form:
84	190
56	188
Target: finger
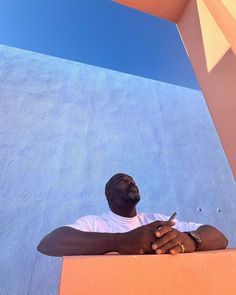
162	231
177	249
160	223
164	240
166	248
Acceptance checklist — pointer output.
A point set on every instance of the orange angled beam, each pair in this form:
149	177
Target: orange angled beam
168	9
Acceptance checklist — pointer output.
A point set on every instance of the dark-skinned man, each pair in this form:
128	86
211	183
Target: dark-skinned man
125	231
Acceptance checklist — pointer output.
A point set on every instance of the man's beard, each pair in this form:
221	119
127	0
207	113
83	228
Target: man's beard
132	197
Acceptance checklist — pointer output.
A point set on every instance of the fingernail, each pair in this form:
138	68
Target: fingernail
158	251
154	246
158	234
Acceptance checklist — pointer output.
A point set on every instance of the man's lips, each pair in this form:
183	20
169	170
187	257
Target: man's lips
133	190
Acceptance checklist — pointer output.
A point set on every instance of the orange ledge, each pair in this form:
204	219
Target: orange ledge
199	273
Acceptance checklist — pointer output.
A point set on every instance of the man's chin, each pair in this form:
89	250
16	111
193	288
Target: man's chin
133	197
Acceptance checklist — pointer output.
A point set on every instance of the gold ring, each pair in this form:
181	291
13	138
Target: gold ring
182	247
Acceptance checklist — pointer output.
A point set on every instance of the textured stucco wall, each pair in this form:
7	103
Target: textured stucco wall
66	127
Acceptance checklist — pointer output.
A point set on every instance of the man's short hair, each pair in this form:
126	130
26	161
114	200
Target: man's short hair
112	180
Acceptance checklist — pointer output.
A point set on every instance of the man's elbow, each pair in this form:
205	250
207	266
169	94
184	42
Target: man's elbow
46	249
222	240
42	249
225	241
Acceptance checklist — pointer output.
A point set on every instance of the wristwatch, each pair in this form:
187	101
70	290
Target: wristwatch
195	236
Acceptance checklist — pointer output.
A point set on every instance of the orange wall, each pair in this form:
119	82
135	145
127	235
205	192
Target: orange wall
196	274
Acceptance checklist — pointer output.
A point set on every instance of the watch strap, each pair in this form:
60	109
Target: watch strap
195	237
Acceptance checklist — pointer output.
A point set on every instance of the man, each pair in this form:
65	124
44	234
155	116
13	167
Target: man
124	231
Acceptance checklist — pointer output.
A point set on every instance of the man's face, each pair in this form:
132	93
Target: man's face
123	190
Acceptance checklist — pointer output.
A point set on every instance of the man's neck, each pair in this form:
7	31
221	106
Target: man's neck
124	212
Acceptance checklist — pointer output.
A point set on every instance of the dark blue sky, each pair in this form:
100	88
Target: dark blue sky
98	32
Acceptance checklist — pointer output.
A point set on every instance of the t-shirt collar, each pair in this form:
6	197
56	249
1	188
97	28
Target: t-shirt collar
122	219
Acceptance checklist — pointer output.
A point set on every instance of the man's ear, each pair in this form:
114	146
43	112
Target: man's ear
107	194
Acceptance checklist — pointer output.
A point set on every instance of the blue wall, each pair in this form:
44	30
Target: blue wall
66	127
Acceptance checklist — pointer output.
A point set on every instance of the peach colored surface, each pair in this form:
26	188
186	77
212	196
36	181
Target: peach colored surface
208	31
214	42
167	9
230	5
225	15
202	273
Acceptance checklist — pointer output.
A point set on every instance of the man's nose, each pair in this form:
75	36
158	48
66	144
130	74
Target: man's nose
132	183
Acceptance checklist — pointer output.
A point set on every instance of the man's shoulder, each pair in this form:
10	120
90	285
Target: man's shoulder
87	222
91	218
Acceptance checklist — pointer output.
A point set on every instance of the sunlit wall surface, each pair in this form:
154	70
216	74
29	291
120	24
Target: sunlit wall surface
66	127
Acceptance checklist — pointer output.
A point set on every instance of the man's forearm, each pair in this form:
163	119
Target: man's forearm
212	239
66	241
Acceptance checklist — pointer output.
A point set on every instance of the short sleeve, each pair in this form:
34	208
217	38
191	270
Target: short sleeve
186	226
180	225
85	223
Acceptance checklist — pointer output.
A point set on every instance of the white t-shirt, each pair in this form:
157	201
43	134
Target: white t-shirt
113	223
